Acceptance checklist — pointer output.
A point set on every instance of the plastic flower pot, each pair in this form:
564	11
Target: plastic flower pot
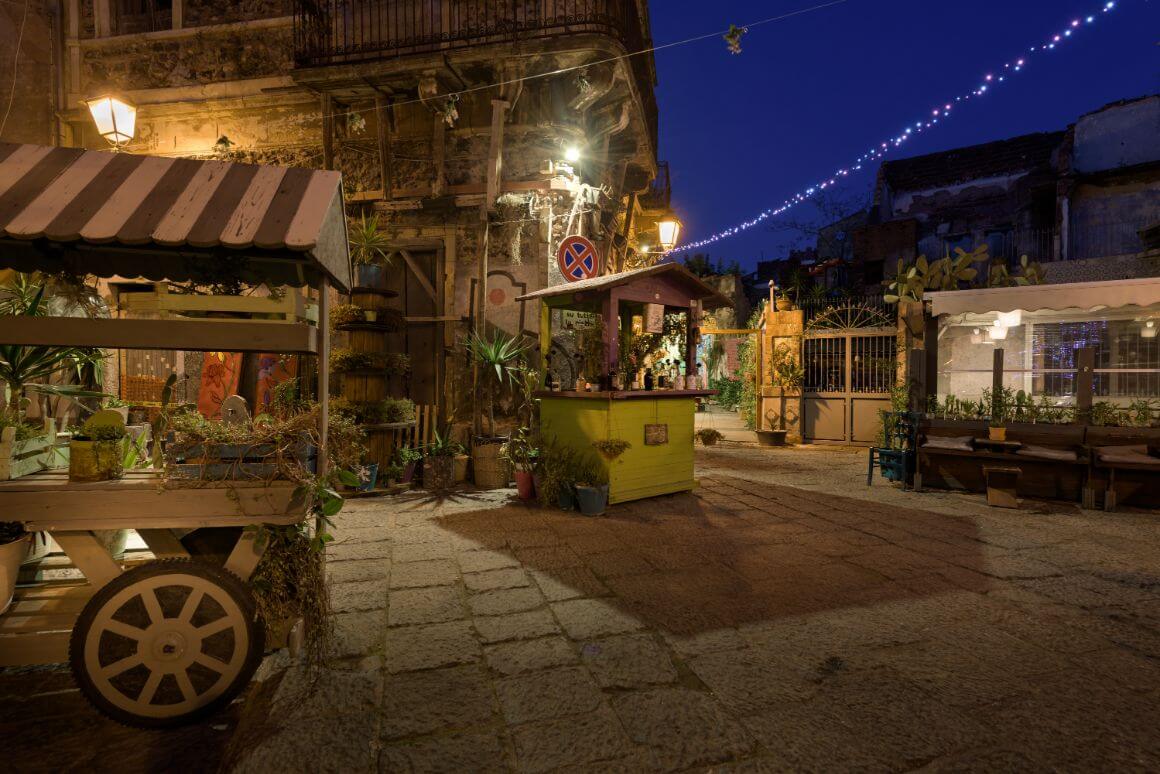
370	275
408	472
461	468
11	555
592	499
566	499
369	477
96	460
525	485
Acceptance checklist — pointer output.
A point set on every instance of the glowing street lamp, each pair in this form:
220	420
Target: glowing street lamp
669	230
116	119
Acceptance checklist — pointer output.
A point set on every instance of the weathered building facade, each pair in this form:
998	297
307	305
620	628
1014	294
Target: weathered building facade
1080	201
479	132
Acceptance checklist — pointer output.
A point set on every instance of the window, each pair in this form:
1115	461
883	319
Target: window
961	241
132	16
1001	244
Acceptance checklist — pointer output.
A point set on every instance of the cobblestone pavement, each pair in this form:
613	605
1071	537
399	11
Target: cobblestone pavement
783	617
47	726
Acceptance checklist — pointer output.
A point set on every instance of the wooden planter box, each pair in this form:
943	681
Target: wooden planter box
20	458
235	461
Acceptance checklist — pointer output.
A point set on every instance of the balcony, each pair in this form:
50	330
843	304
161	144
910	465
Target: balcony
330	32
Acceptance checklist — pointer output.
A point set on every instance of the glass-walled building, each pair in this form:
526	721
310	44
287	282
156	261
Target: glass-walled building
1040	330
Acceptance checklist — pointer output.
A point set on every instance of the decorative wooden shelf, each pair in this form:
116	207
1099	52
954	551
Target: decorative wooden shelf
381	327
383	292
390	426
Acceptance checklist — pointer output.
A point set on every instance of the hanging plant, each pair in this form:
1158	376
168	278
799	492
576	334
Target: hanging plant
733	38
612	448
449	110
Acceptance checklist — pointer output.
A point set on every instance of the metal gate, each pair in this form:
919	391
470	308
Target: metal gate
850	357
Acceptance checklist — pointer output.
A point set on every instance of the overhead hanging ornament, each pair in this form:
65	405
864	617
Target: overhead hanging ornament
733	38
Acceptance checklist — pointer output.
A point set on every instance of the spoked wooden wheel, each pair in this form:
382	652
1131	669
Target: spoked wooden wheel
166	643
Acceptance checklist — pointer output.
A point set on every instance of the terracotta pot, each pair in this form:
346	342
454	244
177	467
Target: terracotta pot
784	305
997	433
771	437
526	485
461	468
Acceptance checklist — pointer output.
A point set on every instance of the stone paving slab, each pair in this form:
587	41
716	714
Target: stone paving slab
784	617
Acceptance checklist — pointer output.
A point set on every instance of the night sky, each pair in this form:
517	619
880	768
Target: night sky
810	94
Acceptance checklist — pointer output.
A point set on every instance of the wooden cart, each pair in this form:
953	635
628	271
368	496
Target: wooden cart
175	635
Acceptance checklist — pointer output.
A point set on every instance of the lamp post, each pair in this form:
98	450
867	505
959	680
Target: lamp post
116	119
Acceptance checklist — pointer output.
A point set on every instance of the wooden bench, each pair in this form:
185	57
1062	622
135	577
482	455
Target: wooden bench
1052	462
1126	477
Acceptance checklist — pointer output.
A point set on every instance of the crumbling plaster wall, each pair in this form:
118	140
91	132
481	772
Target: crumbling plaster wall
134	62
1122	135
30	114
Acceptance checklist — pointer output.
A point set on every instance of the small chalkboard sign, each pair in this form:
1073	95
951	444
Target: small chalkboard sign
656	435
654	320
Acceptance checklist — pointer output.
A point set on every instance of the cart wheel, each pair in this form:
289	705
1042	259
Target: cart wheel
166	643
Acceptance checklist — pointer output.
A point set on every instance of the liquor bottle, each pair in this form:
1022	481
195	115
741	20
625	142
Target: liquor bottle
648	378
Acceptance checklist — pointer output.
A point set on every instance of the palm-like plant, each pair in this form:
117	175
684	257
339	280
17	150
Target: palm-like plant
23	368
368	245
498	359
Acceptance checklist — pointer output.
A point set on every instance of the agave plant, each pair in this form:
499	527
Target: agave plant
498	358
368	245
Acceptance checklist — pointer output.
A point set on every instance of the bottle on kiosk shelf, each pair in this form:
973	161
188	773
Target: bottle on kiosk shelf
648	379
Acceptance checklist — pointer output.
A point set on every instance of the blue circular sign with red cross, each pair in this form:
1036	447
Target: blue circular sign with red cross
578	259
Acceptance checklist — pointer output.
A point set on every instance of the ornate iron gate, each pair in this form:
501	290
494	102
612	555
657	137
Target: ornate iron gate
850	358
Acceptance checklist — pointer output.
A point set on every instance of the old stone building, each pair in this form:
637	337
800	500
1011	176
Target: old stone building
1080	200
479	132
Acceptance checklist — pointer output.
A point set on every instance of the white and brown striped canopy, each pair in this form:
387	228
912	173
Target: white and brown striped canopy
116	214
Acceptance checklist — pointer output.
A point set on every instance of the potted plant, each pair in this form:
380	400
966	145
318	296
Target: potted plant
368	475
13	549
522	452
498	361
787	374
709	436
369	250
439	472
409	459
394	474
118	405
591	488
611	448
347	314
1001	404
97	451
555	472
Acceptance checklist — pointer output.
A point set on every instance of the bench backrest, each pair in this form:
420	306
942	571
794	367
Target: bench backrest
1068	437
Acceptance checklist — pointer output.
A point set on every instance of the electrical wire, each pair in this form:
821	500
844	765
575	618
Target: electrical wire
563	70
15	66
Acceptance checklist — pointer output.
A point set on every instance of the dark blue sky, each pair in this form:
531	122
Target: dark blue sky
812	93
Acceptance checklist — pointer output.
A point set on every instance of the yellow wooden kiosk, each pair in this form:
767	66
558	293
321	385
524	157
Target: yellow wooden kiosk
658	423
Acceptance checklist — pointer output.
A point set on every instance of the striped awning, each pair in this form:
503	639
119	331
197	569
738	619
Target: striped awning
119	214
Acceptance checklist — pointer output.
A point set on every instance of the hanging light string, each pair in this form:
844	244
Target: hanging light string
941	110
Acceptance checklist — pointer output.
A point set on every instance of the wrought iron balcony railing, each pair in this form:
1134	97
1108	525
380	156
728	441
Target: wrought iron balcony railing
350	31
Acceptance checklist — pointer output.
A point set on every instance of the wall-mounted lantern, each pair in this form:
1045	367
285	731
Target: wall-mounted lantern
115	118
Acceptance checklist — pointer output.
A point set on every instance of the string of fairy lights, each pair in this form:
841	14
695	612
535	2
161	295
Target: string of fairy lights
940	111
